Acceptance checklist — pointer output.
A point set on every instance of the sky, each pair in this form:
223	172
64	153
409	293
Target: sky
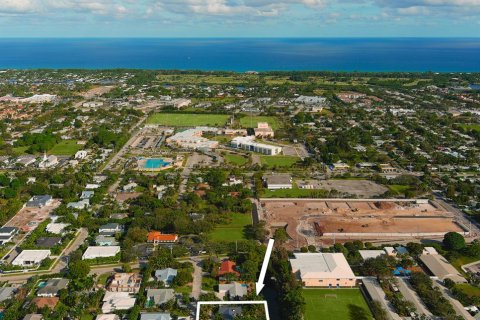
239	18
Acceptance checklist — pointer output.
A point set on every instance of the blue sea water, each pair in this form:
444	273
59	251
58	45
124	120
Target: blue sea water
241	54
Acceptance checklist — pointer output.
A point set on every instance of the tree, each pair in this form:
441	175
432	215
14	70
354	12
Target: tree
453	241
414	248
378	311
78	269
281	236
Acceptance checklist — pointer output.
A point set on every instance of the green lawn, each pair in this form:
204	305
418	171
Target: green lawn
295	192
188	120
251	122
468	289
474	127
19	150
348	304
235	159
278	161
398	188
208	284
65	148
233	230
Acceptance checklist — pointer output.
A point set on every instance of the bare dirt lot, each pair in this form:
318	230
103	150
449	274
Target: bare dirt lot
28	219
358	188
308	221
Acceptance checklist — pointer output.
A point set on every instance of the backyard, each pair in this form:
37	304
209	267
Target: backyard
188	119
338	304
232	231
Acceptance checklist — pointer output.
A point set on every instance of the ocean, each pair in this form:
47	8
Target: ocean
244	54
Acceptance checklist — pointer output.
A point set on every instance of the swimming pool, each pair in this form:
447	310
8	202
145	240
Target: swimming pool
156	163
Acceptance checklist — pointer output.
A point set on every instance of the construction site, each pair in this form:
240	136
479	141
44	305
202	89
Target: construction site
317	221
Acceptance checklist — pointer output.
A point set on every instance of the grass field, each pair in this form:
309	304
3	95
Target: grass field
251	122
294	193
468	289
233	230
19	150
474	127
278	161
235	159
398	188
65	148
188	120
343	304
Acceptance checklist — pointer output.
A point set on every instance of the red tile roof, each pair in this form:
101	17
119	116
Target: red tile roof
227	266
156	236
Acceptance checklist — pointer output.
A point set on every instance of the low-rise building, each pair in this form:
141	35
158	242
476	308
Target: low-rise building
227	267
278	181
156	237
110	229
441	268
371	254
29	258
263	130
193	139
95	252
248	144
42	302
113	301
101	240
107	317
79	205
7	293
7	234
125	282
39	201
233	290
323	270
56	228
157	297
52	287
155	316
48	242
166	275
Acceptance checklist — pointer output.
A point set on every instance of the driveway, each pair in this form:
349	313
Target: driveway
197	277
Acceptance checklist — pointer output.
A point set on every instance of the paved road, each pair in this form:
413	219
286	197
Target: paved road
411	295
457	306
461	217
125	147
191	161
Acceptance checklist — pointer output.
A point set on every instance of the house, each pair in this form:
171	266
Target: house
7	234
401	250
166	275
101	240
52	287
429	250
95	252
227	267
28	258
79	205
233	290
113	301
339	166
390	251
125	282
130	187
26	160
323	270
87	194
39	201
107	317
48	242
158	297
48	162
80	155
42	302
155	316
248	143
157	237
371	254
92	186
230	312
33	316
110	229
56	228
278	181
6	293
263	130
441	268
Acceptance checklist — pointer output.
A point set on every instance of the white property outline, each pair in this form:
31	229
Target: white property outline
200	303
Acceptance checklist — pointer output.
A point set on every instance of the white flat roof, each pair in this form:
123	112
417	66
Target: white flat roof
321	266
369	254
31	255
100	252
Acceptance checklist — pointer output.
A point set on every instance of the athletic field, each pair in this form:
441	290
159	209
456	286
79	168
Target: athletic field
188	119
338	304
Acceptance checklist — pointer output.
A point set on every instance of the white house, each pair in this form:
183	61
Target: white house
28	258
80	155
117	301
100	252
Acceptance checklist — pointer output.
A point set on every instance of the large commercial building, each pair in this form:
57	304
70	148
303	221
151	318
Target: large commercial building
192	139
323	270
249	144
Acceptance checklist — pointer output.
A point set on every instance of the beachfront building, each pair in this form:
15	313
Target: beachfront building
323	270
192	139
249	144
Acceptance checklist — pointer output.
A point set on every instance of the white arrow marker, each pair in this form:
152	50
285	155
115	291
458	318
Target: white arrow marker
259	285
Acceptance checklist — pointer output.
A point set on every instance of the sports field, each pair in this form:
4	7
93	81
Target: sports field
233	230
251	122
65	148
235	159
338	304
278	161
188	119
